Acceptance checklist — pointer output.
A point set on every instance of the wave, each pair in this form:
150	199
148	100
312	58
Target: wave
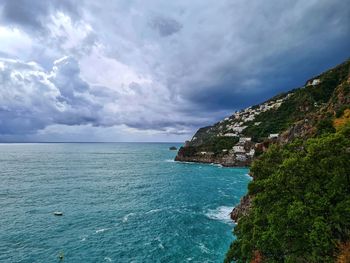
200	164
203	248
222	213
154	211
108	259
170	161
251	178
125	218
101	230
160	244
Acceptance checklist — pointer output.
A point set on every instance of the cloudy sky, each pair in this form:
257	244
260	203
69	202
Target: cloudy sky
155	70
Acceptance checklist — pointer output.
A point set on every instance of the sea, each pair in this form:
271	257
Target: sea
121	202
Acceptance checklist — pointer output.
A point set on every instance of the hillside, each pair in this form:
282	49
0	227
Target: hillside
298	145
298	207
303	112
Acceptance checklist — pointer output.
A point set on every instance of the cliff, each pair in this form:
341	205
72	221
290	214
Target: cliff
324	117
238	139
306	126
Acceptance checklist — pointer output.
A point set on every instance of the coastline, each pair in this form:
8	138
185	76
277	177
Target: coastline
223	160
244	205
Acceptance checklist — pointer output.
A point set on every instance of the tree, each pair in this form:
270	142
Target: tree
301	202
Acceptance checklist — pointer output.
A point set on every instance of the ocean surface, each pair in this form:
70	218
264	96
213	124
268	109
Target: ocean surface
122	202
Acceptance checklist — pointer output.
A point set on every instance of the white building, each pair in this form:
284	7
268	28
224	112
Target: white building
250	118
238	149
245	139
315	82
239	129
273	135
241	157
230	135
251	152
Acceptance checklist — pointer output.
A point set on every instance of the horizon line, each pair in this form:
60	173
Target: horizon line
13	142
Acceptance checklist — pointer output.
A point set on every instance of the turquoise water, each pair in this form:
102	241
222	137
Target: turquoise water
122	202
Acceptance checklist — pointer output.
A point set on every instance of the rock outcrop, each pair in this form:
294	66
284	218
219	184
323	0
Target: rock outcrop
240	138
317	107
242	208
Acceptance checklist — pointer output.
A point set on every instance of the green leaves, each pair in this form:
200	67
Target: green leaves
301	203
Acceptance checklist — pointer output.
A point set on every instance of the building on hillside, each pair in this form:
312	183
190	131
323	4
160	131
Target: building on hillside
238	149
251	153
230	134
245	139
273	135
241	157
313	82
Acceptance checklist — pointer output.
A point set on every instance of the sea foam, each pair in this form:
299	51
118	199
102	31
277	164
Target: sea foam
222	213
125	218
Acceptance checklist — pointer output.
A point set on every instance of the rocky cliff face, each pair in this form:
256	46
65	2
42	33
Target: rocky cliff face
238	139
242	208
301	113
240	154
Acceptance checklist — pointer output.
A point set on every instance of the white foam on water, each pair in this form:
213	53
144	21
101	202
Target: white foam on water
154	211
203	248
251	178
108	259
161	246
222	213
125	218
83	238
221	192
217	165
170	161
101	230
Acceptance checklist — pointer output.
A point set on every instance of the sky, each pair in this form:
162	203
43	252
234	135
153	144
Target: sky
155	70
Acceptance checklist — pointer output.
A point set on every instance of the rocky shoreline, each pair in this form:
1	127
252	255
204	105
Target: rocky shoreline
227	161
242	208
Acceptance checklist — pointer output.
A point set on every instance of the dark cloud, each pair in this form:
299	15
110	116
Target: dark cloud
165	26
68	81
169	66
32	98
33	15
25	13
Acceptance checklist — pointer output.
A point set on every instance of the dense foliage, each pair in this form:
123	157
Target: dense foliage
301	203
216	145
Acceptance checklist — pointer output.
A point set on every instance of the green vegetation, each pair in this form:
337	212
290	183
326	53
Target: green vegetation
301	203
303	101
325	126
275	121
213	144
217	144
300	194
341	110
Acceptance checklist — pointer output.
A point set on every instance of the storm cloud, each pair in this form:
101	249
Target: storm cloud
159	70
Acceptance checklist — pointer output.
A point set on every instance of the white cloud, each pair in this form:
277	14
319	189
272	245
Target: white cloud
99	69
68	34
15	42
